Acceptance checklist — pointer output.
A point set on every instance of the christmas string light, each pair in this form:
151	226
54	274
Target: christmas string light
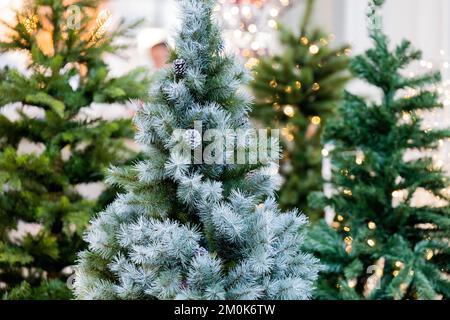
249	24
316	120
348	244
30	22
348	192
439	118
359	158
315	87
304	40
273	83
314	49
352	282
289	111
287	132
429	254
371	225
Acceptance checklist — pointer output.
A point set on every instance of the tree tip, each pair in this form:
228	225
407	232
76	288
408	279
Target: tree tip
378	3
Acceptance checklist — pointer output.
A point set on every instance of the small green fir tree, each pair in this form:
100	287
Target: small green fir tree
381	245
297	91
66	72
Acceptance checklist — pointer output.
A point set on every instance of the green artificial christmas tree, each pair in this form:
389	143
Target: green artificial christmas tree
188	227
65	44
298	91
381	245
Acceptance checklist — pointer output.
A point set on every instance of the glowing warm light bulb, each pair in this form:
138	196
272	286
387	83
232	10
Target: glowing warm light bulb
429	254
273	83
252	28
235	10
313	49
289	111
371	225
325	153
371	242
274	12
316	87
316	120
237	33
251	63
352	283
396	194
272	23
254	45
298	84
340	218
304	40
246	11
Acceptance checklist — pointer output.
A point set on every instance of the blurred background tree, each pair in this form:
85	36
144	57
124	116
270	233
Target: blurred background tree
298	91
39	189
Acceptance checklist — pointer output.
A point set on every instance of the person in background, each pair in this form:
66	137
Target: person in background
159	54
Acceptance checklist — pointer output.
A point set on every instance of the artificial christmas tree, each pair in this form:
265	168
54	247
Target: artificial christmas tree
203	230
381	245
298	91
38	189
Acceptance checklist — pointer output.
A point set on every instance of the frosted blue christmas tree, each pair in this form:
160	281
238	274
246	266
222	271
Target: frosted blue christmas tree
188	228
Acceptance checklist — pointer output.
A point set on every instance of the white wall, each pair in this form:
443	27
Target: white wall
424	22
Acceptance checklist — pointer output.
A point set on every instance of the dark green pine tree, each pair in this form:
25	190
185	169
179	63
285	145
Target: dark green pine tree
66	72
382	246
298	91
